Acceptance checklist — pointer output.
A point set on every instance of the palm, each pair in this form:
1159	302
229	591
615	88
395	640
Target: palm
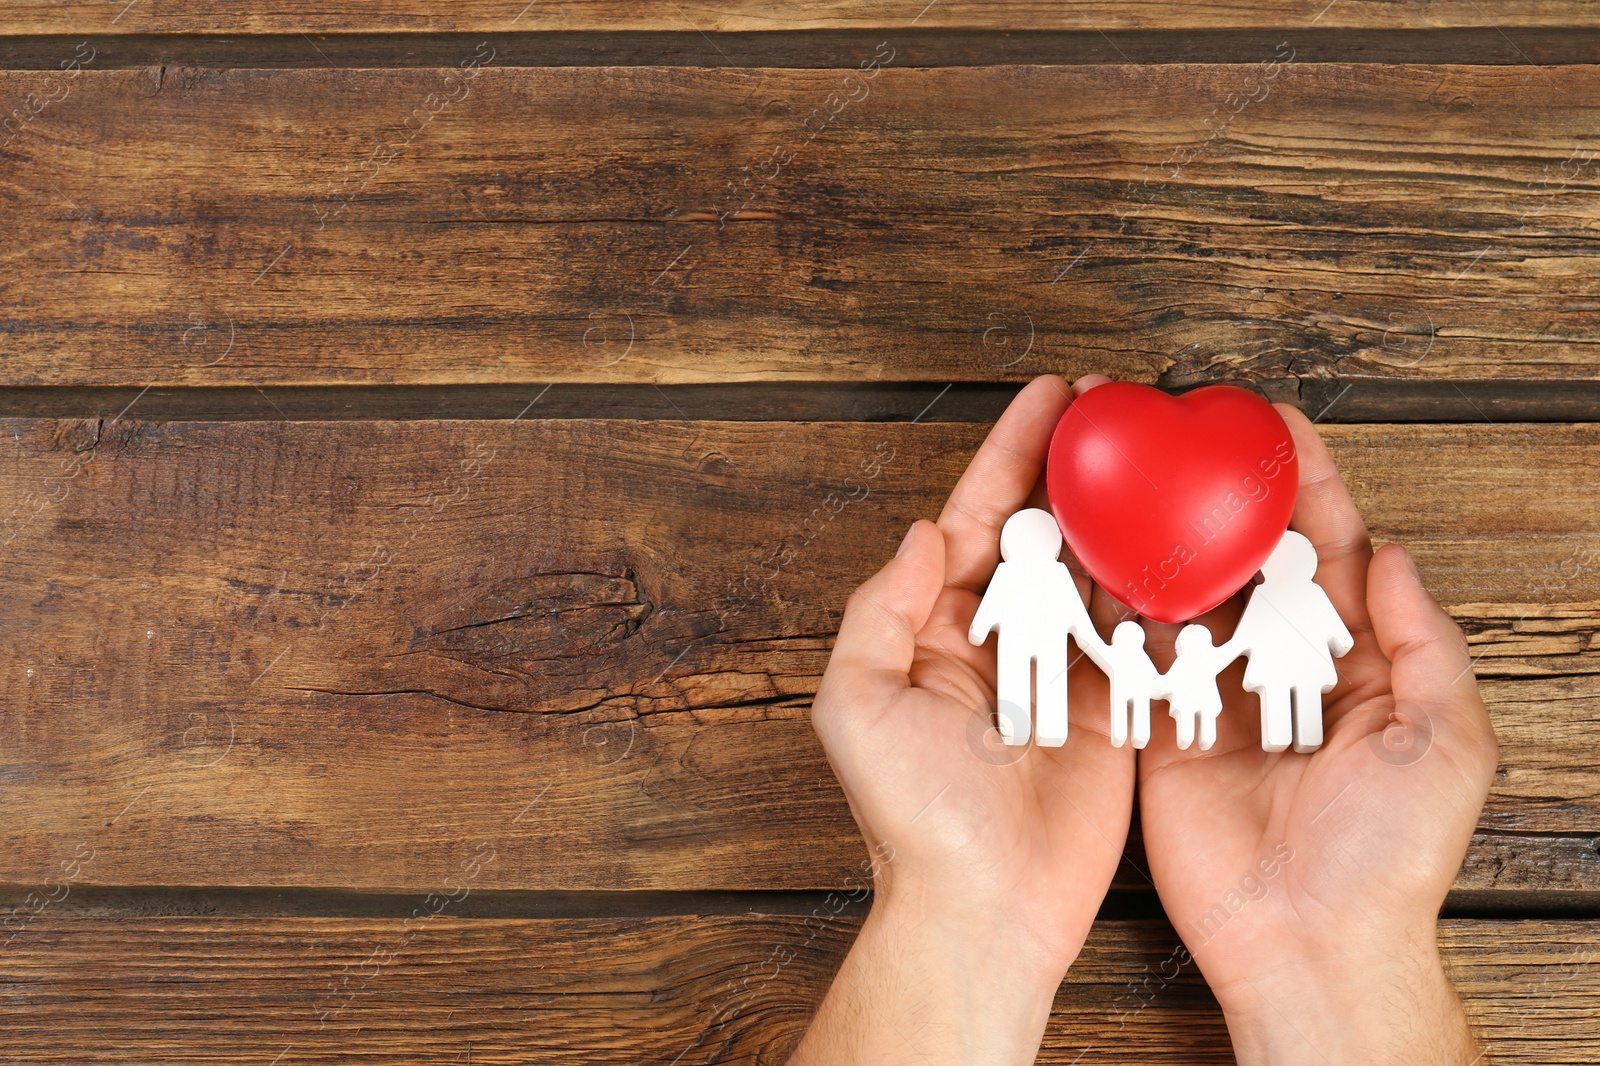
1352	828
1030	815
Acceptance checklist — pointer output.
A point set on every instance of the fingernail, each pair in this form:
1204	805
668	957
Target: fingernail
904	541
1412	562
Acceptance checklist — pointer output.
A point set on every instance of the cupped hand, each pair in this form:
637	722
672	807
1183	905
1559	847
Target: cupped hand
1016	844
1307	886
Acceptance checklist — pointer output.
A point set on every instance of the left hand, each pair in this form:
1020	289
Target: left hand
999	857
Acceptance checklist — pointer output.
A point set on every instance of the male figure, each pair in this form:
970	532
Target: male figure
1034	603
1288	629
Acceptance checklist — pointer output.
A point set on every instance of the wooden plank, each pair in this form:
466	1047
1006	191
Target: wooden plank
819	48
653	225
727	989
344	654
211	16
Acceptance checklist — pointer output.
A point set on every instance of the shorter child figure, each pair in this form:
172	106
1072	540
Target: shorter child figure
1191	684
1134	682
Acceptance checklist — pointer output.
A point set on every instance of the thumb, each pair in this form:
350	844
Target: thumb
877	637
1429	663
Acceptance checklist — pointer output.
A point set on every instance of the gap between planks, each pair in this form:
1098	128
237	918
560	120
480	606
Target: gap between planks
1120	904
1332	400
815	48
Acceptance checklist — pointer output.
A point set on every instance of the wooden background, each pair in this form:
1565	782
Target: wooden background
401	452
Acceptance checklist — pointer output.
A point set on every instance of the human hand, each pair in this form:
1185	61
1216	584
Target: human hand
998	858
1308	886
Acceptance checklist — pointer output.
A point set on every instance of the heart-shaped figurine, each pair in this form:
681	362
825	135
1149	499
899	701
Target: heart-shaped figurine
1172	503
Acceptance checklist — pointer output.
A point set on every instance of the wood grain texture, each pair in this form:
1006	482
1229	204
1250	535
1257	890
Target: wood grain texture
177	226
200	16
349	654
731	989
813	48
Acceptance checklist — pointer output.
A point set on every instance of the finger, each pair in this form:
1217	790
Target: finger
1326	514
1430	666
1160	640
998	480
877	636
1039	497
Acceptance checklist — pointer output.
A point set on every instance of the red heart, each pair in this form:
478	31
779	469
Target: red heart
1172	503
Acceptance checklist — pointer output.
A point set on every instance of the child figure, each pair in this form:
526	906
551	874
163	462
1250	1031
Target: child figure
1034	603
1135	681
1191	684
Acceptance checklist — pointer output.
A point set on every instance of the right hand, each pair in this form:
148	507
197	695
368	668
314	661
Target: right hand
1336	950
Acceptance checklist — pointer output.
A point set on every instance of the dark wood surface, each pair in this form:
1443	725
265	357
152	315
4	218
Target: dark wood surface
736	988
395	480
198	16
314	654
1350	224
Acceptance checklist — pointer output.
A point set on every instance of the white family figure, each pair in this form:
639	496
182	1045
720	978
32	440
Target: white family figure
1289	630
1035	605
1193	699
1135	681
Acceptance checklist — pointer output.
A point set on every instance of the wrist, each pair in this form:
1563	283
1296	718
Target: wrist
980	929
1377	1001
924	987
965	984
